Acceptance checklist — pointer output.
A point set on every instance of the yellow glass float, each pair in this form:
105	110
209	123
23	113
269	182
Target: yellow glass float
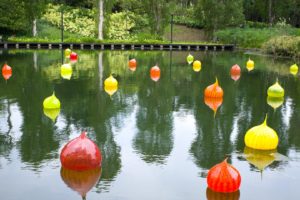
261	137
275	102
68	53
52	113
51	102
260	158
110	85
197	66
294	69
190	59
66	71
250	65
276	90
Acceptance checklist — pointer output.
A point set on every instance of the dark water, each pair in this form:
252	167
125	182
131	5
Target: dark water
158	139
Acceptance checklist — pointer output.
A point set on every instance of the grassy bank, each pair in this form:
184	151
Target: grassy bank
283	46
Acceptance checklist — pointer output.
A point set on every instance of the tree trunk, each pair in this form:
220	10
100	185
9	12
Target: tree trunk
34	31
270	13
101	19
100	68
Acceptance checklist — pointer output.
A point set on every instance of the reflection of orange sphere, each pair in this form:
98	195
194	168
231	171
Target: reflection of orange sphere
214	90
6	71
132	63
211	195
223	177
81	182
213	103
155	73
235	70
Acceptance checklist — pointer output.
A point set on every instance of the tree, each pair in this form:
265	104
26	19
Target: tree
103	7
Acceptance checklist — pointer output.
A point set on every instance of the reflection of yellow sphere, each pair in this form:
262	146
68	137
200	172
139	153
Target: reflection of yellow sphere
111	82
275	102
66	71
276	90
260	158
51	102
52	113
250	65
197	66
110	89
261	137
294	69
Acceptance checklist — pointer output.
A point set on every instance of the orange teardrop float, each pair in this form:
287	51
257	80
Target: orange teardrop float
223	177
214	90
132	64
6	71
155	73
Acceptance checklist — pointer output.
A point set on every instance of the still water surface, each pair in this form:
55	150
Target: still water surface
158	139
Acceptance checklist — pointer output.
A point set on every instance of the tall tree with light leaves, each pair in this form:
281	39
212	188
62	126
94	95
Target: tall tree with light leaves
103	8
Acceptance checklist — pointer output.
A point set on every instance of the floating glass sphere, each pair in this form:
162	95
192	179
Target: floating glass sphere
261	137
190	59
111	82
155	73
51	102
197	66
235	70
6	71
223	177
73	57
276	90
132	64
250	65
213	90
294	69
81	154
68	53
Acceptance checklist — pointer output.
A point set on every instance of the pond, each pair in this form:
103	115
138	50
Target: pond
158	138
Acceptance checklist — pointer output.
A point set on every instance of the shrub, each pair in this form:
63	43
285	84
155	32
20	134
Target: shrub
283	46
120	25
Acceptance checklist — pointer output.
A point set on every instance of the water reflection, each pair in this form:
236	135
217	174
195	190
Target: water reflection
211	195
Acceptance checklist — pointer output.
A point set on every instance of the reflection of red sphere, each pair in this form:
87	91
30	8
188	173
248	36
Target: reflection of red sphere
81	154
132	64
73	56
6	71
223	178
235	70
211	195
235	77
155	73
81	182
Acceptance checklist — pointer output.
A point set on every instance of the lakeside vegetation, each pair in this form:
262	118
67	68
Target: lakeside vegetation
246	23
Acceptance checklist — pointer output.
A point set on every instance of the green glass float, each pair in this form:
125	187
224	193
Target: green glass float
190	59
51	102
276	90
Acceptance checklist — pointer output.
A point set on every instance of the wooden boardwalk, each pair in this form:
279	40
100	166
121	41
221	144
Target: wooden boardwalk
107	46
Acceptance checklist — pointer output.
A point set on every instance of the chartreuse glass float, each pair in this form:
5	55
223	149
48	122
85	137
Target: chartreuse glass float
6	71
250	65
294	69
81	154
68	53
275	102
52	113
190	59
276	90
80	181
110	85
51	102
223	177
66	71
155	73
214	90
197	66
261	137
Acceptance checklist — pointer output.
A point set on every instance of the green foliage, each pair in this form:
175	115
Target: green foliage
250	24
283	46
251	37
187	18
79	21
120	25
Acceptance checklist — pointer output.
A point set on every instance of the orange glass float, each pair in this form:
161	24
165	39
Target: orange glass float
155	73
213	103
223	177
81	154
81	182
6	71
214	90
132	64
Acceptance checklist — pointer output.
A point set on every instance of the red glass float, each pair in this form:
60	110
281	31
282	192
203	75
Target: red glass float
223	177
132	64
211	195
155	73
6	71
81	154
213	103
81	182
73	57
214	90
235	70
